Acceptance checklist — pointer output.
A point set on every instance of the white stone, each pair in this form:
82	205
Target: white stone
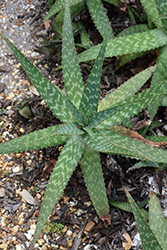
28	236
16	169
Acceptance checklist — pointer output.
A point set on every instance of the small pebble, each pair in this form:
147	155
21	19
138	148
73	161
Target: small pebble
41	241
16	169
2	192
19	247
69	232
28	236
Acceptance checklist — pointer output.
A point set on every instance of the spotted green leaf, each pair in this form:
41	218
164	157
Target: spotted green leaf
157	221
85	38
99	17
31	141
148	238
112	141
98	117
162	10
138	42
64	129
59	5
152	11
53	96
93	176
157	138
146	152
141	164
127	89
61	174
90	132
114	2
135	104
105	143
159	75
71	71
90	97
126	207
131	30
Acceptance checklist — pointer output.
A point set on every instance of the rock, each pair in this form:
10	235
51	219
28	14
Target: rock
2	192
2	87
27	196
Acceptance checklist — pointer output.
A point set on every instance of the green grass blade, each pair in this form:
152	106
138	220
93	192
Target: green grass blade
90	97
138	42
152	11
60	176
157	221
71	70
59	5
93	176
127	89
53	96
149	241
99	17
135	104
30	141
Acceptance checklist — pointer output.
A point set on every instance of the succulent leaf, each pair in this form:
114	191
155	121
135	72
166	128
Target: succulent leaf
71	70
31	141
90	97
131	30
127	89
135	104
53	96
145	151
126	207
93	176
149	241
99	17
159	75
157	221
98	117
106	145
59	5
61	174
157	138
162	10
64	129
114	2
152	11
90	132
138	42
141	164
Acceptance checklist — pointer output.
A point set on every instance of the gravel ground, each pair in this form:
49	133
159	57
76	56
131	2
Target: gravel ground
18	22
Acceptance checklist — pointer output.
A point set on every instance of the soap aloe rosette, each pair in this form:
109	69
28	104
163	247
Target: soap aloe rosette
89	126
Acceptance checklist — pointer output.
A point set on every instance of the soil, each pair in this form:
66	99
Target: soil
24	176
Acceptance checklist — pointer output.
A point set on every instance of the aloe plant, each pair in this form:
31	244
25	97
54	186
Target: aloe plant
153	235
89	126
133	42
